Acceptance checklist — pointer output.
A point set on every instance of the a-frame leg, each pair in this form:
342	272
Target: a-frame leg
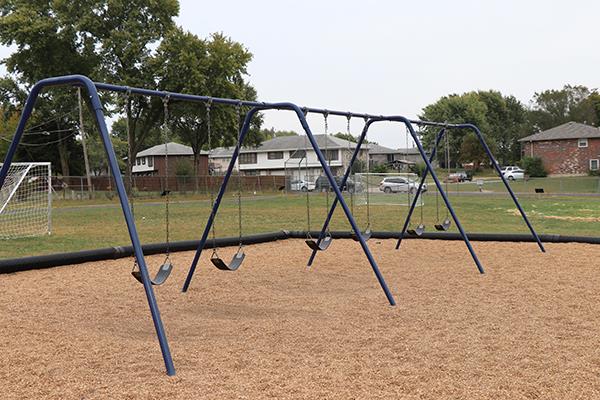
438	138
116	173
332	183
342	184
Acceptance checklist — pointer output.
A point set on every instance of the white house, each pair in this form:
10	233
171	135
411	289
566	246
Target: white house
288	155
294	156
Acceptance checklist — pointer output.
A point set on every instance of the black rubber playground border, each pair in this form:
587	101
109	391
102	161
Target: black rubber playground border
112	253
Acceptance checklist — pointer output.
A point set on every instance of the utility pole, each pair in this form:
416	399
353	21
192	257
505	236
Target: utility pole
85	155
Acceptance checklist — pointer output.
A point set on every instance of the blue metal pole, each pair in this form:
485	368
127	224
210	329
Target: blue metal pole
341	200
29	103
101	124
416	198
342	184
217	203
440	189
510	191
300	115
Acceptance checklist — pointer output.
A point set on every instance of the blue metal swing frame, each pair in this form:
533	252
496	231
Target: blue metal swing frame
429	170
300	114
92	89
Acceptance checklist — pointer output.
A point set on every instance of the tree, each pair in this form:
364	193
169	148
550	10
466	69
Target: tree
8	124
506	119
465	108
471	150
215	67
501	120
105	40
272	133
551	108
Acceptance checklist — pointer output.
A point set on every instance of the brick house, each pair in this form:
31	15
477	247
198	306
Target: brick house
152	160
568	149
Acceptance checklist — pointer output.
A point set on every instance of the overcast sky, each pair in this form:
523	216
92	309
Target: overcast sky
395	57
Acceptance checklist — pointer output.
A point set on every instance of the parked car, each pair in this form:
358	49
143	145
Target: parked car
513	173
322	184
302	185
460	176
396	184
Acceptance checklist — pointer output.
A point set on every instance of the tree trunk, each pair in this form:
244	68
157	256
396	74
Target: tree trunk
196	169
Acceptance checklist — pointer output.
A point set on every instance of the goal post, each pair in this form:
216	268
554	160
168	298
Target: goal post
26	201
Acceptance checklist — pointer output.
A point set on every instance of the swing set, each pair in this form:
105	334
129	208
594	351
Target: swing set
140	268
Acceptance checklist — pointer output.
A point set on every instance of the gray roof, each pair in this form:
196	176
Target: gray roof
301	142
377	149
282	143
288	143
221	152
174	149
570	130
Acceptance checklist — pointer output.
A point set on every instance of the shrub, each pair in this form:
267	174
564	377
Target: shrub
419	168
380	169
184	168
534	167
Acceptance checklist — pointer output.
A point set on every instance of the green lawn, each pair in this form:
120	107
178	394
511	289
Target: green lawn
79	225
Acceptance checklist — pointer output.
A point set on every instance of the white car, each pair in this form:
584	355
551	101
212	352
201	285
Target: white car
513	173
302	185
399	184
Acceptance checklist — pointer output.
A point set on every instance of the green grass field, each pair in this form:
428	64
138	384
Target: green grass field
79	225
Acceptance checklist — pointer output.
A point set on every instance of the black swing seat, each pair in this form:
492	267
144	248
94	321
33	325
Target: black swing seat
444	226
366	235
161	276
235	263
321	246
418	231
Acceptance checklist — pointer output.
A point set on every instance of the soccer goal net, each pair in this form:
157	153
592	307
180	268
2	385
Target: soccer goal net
25	201
386	189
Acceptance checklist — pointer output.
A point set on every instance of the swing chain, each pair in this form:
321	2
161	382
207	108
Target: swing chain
208	106
127	128
348	118
368	174
166	138
239	194
447	156
326	128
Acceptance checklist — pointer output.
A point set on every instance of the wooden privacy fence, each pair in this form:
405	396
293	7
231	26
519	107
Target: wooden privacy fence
175	183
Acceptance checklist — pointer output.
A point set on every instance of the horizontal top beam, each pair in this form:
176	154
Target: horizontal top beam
254	104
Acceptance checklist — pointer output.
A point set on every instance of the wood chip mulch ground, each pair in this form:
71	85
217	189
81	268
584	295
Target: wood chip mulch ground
527	329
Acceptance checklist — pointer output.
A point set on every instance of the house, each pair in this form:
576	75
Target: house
400	159
288	155
294	156
152	160
572	148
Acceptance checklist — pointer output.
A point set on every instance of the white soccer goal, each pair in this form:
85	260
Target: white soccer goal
26	201
386	189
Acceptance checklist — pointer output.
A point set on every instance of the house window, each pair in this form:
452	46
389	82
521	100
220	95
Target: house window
151	161
298	154
594	165
390	158
275	155
582	143
143	160
248	158
138	161
332	155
